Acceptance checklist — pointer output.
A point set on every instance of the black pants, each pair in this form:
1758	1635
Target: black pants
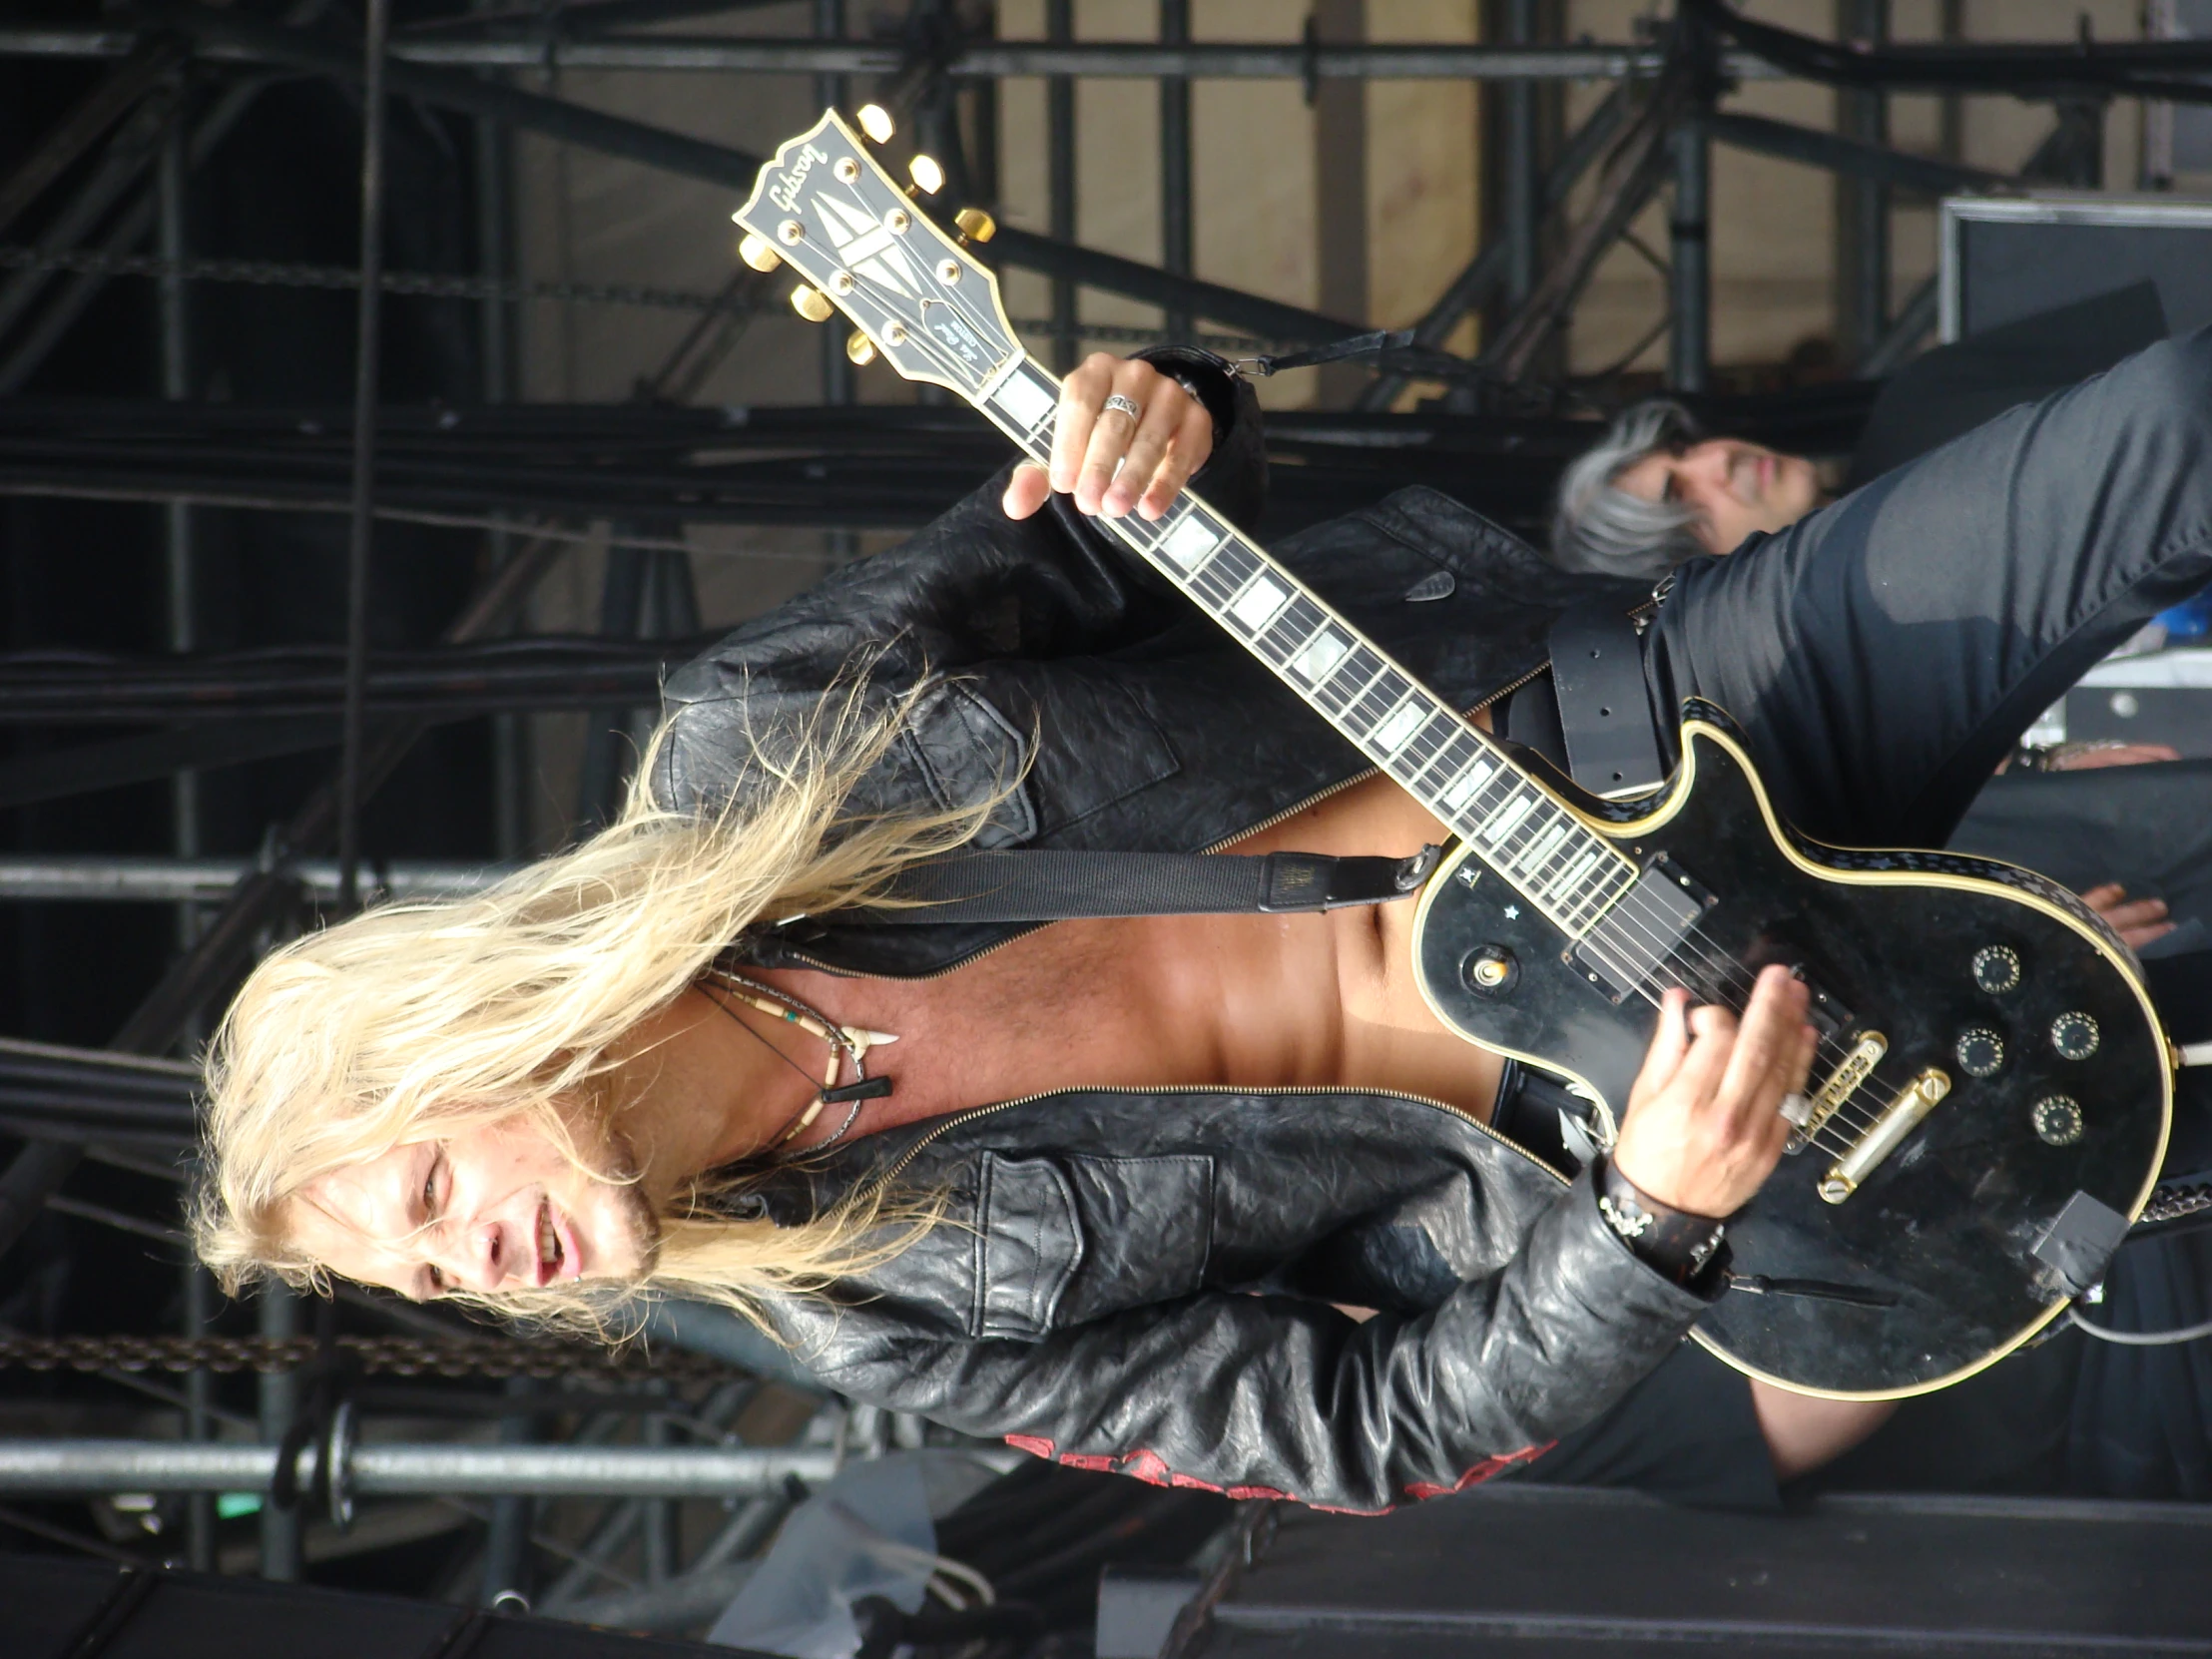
1882	654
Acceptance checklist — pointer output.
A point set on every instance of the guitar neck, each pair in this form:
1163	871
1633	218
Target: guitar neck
1521	829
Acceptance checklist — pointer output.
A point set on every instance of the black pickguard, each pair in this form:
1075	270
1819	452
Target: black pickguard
1946	1224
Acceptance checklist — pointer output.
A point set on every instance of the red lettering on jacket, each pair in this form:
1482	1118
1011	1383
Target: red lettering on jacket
1149	1467
1481	1472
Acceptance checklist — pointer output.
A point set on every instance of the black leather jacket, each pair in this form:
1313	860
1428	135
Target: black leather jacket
1142	1280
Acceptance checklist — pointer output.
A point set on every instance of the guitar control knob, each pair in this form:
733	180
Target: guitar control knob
1490	971
1996	969
2073	1035
2058	1120
1980	1052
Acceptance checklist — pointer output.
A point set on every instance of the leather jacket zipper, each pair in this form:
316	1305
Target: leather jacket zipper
947	1124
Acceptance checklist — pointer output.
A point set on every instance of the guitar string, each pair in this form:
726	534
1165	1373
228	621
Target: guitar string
1659	941
1630	912
1215	586
1720	968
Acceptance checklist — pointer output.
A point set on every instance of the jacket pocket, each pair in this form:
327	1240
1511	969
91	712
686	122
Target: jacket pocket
1028	1244
968	750
1059	1240
1149	1223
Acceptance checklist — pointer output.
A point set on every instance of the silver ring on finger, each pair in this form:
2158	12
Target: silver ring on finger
1128	406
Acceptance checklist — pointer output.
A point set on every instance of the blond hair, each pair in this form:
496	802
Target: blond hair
413	1020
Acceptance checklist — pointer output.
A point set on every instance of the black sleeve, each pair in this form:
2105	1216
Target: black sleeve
1269	1397
974	587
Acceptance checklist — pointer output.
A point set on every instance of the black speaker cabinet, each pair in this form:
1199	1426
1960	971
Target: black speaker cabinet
63	1608
2002	259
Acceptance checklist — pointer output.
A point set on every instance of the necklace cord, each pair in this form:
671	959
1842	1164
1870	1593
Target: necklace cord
777	1004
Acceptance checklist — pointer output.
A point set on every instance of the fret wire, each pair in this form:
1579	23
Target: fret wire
1369	667
1447	732
1366	692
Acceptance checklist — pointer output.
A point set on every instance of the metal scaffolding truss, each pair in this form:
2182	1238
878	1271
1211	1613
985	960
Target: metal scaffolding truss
535	482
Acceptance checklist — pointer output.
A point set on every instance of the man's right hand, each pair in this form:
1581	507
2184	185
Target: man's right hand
1704	1127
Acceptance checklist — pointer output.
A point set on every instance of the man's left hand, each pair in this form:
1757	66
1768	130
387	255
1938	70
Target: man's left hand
1109	460
2137	921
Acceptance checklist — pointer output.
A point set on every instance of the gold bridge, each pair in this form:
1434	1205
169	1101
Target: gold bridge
1850	1071
1898	1120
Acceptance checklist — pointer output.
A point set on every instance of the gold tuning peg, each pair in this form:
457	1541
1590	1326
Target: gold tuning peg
860	348
976	224
812	303
757	252
927	176
876	120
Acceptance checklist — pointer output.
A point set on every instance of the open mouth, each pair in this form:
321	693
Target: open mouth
551	1252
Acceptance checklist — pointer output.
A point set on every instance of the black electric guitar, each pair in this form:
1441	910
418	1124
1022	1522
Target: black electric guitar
1992	1094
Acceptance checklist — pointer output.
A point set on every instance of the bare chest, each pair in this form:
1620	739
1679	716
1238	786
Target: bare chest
1238	1001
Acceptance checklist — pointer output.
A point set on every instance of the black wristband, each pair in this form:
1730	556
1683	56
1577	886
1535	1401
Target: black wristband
1673	1243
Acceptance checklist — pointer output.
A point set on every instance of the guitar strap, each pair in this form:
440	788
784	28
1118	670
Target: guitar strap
1597	675
1612	748
1053	886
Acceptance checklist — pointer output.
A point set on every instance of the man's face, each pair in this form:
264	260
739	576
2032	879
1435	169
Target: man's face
1736	488
492	1207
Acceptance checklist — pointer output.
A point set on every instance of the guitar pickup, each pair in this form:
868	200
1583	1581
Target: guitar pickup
1625	947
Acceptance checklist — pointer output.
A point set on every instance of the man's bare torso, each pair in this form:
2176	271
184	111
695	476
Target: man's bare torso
1309	1002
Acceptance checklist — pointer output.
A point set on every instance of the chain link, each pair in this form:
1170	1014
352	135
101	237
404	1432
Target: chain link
485	1356
2172	1201
274	273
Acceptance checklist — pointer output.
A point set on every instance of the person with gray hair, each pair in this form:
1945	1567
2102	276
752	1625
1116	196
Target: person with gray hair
1655	490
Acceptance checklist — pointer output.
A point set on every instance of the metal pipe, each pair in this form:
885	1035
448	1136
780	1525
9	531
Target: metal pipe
1269	318
200	1515
696	158
361	522
1690	253
72	223
1853	160
833	91
1522	208
1863	239
1175	163
135	143
278	1398
495	333
122	877
1915	321
171	179
507	1536
80	129
661	1522
66	1467
1060	122
1474	285
978	60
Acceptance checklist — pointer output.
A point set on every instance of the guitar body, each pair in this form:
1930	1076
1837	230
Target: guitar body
1943	1229
1898	1250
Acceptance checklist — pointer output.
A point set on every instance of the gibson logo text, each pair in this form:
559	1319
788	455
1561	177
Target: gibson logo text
784	193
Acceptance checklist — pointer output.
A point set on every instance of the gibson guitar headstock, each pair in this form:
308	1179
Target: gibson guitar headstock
827	207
